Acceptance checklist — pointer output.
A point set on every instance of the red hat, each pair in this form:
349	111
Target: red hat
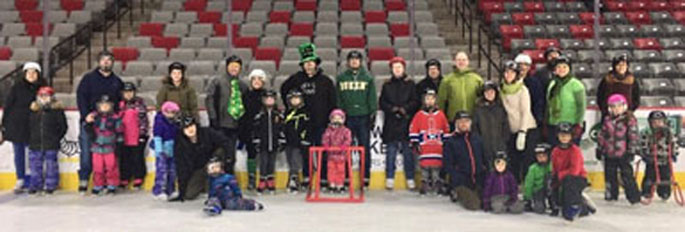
397	59
46	90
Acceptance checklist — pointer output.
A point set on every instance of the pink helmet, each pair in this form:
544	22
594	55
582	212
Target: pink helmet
170	106
337	112
616	98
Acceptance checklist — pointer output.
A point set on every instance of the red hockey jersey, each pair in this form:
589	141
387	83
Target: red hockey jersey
429	129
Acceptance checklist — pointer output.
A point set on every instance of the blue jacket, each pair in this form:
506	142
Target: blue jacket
463	160
538	104
224	187
93	86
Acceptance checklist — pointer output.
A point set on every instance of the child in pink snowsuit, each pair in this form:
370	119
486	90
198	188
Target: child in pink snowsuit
337	135
107	130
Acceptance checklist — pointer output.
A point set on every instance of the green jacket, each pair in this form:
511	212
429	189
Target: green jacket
566	102
184	95
536	179
356	92
459	91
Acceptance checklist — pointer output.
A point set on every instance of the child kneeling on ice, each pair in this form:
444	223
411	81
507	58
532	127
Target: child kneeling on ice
500	193
224	192
337	135
536	185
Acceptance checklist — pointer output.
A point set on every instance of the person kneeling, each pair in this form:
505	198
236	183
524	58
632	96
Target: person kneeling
464	163
500	193
224	192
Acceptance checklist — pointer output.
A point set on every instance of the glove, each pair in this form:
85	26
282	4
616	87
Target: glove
521	141
305	143
158	146
142	139
402	111
599	154
169	148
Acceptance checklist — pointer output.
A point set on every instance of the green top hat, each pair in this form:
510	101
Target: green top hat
308	53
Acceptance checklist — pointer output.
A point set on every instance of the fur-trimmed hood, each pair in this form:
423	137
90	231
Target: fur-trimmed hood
53	105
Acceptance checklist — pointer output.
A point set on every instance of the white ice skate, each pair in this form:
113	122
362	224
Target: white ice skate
161	197
19	187
411	185
389	184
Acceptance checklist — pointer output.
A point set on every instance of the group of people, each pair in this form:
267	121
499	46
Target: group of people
474	140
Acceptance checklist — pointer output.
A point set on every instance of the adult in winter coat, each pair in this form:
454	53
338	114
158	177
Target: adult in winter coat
516	100
536	89
259	82
15	119
458	91
490	121
357	97
226	101
433	77
48	125
175	88
194	147
463	162
619	81
546	74
95	84
566	101
399	103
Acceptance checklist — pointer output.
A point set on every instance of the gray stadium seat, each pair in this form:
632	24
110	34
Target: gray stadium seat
328	6
651	31
52	41
152	54
568	18
630	31
672	43
64	30
664	70
679	85
397	17
554	6
427	29
261	6
591	85
251	29
291	54
440	54
138	68
236	17
379	67
257	17
288	67
283	6
201	67
326	29
201	30
379	41
161	68
19	42
423	16
661	17
518	45
25	54
139	42
328	53
501	18
373	6
377	29
56	16
326	41
608	31
7	66
169	6
418	54
589	55
276	29
150	84
12	29
272	41
603	43
679	101
621	43
640	70
212	54
648	56
268	66
656	101
193	42
330	68
658	86
303	16
574	44
675	30
68	99
545	18
432	42
327	16
610	54
582	70
176	30
80	17
182	54
294	41
351	17
615	18
558	31
351	29
675	56
534	31
404	42
186	17
513	6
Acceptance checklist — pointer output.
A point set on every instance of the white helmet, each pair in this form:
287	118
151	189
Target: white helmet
523	59
31	65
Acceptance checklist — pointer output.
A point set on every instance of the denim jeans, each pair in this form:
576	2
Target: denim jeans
391	156
359	125
20	162
85	157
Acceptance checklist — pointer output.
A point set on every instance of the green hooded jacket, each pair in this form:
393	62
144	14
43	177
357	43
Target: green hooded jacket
458	91
356	92
536	179
566	102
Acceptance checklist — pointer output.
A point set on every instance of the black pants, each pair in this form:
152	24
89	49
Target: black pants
232	136
664	189
132	162
267	164
196	184
571	193
612	166
519	161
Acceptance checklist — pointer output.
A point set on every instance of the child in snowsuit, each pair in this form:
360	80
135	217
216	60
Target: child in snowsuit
569	175
107	131
658	149
618	144
133	113
337	135
224	192
164	132
48	125
426	132
297	138
268	137
463	162
500	193
536	185
490	121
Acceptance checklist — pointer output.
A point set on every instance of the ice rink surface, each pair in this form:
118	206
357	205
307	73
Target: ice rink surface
382	211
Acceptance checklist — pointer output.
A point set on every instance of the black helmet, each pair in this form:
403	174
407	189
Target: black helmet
565	127
488	85
293	93
433	62
500	155
234	58
129	86
214	161
562	60
462	115
177	65
269	93
187	121
656	115
104	99
551	49
542	148
511	65
354	54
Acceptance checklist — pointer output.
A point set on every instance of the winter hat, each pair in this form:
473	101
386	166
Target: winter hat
523	59
177	65
337	112
397	59
31	65
551	49
354	54
170	106
616	99
433	62
462	115
46	90
261	74
308	53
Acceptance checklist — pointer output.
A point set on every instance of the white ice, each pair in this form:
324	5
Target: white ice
382	211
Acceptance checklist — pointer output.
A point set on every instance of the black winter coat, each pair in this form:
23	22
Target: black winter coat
490	121
297	128
463	160
191	157
396	94
253	104
267	133
319	95
48	126
426	84
15	119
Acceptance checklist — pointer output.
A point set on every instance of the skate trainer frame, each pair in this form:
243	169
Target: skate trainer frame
314	189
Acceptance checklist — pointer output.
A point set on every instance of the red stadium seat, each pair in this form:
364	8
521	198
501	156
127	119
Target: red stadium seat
399	30
31	16
582	31
395	5
534	7
302	29
375	17
352	42
279	17
381	53
679	16
241	5
489	7
637	6
246	42
22	5
35	29
538	56
639	17
72	5
676	5
209	17
165	42
647	44
268	53
151	29
5	53
125	54
510	32
589	18
220	29
195	5
305	5
658	6
350	5
616	5
542	44
523	18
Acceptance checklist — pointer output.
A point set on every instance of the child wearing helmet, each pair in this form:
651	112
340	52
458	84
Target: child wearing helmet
164	133
569	175
658	149
536	190
224	192
618	143
268	138
337	135
500	191
47	127
298	139
107	131
133	113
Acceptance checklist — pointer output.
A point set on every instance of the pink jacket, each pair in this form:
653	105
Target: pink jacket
337	136
133	115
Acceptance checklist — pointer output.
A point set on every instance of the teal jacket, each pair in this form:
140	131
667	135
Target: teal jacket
536	179
356	92
566	100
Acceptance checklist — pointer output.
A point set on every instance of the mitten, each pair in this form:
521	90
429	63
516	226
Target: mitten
521	141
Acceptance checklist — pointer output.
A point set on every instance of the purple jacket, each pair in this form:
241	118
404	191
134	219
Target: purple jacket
500	184
164	128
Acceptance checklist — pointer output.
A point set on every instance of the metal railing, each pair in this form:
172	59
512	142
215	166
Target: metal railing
464	13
